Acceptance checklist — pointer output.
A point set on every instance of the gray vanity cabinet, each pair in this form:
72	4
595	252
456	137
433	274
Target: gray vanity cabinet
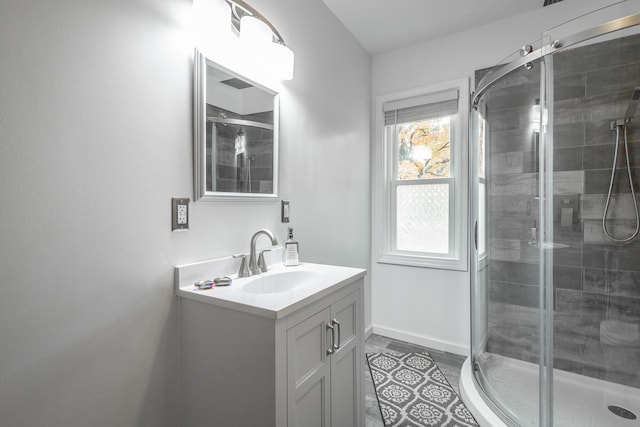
244	369
324	366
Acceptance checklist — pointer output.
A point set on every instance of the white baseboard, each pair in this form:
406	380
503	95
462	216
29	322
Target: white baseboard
368	331
436	344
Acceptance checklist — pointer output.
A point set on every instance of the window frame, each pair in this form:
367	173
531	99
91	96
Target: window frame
386	183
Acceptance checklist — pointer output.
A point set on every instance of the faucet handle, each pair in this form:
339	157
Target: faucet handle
244	271
262	265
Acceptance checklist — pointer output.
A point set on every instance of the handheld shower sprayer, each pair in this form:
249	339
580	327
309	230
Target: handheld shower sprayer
621	125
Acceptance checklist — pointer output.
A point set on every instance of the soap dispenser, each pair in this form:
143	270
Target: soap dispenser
291	250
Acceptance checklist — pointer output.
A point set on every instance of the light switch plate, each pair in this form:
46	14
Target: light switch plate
179	214
285	211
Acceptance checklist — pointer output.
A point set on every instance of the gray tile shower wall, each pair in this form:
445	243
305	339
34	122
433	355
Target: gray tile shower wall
595	279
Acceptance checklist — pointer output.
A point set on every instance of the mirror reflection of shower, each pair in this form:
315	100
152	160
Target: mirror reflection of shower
237	150
620	126
242	152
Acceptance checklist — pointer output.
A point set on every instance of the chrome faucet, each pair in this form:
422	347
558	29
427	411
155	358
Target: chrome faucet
244	271
253	264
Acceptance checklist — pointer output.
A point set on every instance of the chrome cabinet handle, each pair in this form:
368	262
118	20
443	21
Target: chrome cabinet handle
336	323
333	338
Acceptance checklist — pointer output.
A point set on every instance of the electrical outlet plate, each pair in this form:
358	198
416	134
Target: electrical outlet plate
179	214
285	211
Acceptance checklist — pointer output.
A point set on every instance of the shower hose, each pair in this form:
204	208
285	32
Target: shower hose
633	194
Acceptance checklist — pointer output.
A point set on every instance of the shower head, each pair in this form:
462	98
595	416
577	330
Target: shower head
633	105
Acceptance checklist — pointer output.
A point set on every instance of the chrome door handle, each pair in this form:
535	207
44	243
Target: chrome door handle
333	339
336	323
475	235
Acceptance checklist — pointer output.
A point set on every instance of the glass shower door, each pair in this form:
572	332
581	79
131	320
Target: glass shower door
507	266
595	82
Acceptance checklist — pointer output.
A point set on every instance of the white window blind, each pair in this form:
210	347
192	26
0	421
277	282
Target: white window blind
424	107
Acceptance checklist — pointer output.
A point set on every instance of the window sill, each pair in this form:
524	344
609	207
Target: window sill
423	261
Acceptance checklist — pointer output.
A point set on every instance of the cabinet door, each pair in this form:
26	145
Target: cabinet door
308	373
346	364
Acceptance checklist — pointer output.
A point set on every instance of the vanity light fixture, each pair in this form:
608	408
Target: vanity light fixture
262	40
255	42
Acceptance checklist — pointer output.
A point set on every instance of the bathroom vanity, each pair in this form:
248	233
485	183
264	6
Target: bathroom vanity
283	348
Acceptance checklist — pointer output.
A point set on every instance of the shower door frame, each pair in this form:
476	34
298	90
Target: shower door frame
545	186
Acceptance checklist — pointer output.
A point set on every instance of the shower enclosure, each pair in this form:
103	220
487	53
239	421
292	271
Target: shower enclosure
556	262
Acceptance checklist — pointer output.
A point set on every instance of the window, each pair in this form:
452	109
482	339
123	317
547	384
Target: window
421	170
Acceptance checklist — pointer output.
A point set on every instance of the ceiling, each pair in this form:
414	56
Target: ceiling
383	25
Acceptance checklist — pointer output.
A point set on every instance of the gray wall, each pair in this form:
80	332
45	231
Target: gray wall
95	139
594	278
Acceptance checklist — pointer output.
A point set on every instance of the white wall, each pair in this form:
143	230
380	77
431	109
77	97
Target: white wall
430	306
95	139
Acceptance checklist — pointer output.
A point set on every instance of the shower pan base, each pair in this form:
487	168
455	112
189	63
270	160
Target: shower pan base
579	401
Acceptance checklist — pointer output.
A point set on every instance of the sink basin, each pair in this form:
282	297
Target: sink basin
281	281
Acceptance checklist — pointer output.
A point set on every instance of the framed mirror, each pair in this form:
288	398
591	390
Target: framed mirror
235	135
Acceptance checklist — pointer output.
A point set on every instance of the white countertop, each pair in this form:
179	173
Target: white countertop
325	280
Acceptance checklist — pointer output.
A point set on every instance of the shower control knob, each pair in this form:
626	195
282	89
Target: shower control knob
556	44
526	49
